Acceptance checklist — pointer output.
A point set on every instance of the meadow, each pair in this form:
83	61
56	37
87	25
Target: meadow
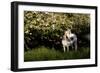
46	54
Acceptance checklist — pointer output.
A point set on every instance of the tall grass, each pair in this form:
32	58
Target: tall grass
44	54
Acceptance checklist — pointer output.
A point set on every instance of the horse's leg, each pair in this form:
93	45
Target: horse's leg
67	48
72	46
64	48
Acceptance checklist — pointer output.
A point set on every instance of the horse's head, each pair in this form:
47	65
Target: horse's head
67	35
67	32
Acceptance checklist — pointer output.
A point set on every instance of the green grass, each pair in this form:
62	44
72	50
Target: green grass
44	54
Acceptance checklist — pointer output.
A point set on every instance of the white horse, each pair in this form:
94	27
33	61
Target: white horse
69	39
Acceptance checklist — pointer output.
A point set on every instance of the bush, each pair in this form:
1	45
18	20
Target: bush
43	27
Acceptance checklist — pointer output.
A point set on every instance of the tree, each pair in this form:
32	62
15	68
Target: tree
48	27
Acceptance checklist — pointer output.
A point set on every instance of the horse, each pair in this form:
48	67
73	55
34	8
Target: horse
69	39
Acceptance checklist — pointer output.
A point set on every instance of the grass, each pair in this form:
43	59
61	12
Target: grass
45	54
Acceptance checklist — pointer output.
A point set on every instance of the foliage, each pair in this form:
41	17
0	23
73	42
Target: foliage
47	28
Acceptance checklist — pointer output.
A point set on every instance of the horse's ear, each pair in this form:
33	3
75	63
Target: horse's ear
69	30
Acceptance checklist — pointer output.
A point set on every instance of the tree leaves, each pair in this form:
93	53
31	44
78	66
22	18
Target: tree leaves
51	25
